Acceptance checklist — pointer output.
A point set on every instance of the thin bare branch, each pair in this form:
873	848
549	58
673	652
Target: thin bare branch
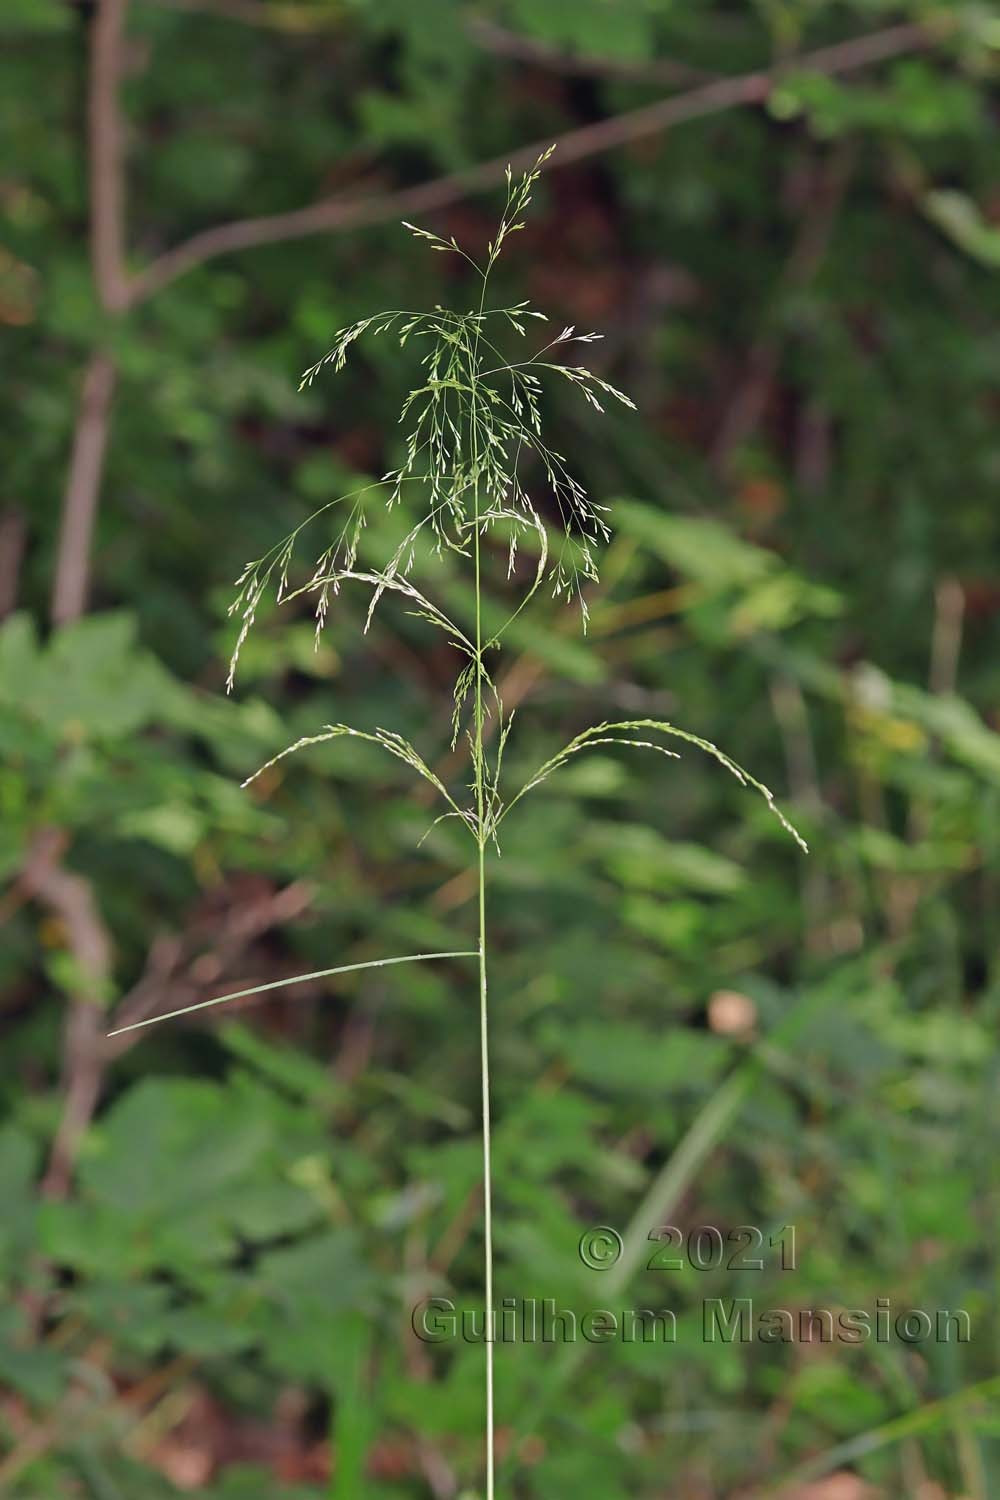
13	535
335	214
107	255
946	643
83	482
503	43
71	900
87	1051
107	174
178	966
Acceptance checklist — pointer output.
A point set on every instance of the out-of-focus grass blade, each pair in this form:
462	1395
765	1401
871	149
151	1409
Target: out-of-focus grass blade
704	1133
970	1457
354	1415
912	1423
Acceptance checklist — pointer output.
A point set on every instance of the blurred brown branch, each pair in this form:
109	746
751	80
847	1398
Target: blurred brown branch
71	900
337	214
13	536
67	895
503	43
106	142
83	482
106	186
179	968
177	965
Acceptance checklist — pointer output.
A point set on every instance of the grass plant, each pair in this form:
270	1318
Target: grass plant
480	475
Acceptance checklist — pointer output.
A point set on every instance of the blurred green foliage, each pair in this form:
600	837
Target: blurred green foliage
802	295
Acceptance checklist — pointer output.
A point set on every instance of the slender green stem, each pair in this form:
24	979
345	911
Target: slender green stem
487	1170
484	1047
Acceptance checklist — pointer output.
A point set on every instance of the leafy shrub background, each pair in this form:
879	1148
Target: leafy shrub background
210	1293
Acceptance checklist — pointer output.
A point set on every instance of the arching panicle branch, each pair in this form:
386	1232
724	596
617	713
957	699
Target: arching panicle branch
334	563
386	739
611	734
